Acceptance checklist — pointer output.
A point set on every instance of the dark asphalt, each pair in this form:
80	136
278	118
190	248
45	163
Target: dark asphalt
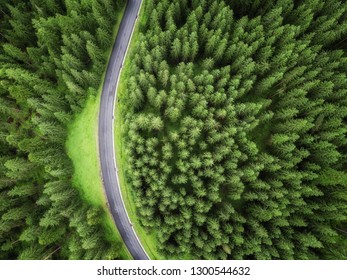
106	144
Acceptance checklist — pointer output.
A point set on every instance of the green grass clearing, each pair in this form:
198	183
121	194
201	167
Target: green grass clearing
82	148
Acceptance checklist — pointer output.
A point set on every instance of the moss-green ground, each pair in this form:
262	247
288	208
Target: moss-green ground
82	148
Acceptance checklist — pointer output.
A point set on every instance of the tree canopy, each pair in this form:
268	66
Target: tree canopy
234	127
51	53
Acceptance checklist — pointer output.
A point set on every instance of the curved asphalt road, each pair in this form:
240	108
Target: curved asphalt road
106	136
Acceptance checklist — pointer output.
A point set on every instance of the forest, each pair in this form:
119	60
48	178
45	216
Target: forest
234	128
52	56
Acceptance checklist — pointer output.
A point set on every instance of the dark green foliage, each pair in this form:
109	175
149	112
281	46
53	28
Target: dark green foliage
234	125
52	55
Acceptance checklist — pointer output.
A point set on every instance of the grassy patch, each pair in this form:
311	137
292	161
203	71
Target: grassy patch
82	148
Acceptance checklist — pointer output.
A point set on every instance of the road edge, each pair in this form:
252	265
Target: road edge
113	124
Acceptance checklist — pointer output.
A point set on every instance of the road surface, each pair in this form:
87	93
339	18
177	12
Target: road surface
106	132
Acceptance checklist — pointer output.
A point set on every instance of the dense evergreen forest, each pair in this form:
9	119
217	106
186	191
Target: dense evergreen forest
234	126
52	56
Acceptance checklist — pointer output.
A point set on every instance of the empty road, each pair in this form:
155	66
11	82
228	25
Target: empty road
106	132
